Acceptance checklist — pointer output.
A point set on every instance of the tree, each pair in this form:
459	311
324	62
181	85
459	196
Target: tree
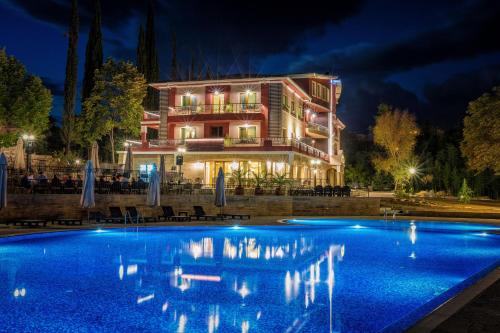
70	80
25	103
115	103
141	52
465	194
151	68
395	132
93	53
481	141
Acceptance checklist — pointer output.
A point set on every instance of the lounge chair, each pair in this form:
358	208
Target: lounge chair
66	221
237	216
199	213
337	191
134	215
116	215
29	223
346	191
169	215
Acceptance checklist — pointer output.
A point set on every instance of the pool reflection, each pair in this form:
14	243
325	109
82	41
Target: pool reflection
225	281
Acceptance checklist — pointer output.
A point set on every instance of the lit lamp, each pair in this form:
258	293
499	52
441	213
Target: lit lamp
315	164
412	171
29	142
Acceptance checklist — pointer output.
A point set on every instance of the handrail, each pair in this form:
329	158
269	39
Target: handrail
216	109
317	127
246	142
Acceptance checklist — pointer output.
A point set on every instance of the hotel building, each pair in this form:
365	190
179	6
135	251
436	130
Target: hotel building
276	124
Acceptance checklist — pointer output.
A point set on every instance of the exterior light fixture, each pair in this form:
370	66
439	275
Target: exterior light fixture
412	171
308	111
248	91
77	162
181	150
216	92
234	165
188	93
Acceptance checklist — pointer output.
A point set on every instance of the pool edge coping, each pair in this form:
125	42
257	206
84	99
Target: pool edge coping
455	304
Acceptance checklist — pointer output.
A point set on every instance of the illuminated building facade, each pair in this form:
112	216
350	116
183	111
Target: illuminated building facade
277	125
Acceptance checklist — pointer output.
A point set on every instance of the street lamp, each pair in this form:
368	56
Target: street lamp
29	141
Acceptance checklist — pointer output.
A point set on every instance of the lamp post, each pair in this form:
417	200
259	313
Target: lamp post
179	160
29	142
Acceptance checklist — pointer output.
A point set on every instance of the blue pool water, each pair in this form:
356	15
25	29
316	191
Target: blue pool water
316	276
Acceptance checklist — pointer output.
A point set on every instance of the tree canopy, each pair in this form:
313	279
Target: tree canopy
396	133
115	103
25	103
481	141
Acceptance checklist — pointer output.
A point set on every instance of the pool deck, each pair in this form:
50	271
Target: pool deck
476	309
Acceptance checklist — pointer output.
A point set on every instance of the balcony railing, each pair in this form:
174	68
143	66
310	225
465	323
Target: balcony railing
216	109
151	115
317	128
219	144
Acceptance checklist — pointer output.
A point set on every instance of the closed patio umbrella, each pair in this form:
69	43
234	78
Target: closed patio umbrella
128	161
3	181
162	170
220	193
94	156
153	197
87	200
19	160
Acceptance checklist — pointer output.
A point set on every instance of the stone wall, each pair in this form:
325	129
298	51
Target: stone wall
68	205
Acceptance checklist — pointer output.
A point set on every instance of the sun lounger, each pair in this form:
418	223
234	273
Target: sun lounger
237	216
65	221
29	223
169	215
134	215
199	213
116	215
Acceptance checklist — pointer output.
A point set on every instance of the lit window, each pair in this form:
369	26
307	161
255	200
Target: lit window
188	133
285	101
248	132
188	101
248	100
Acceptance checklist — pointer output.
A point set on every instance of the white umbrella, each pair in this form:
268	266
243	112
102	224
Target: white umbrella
153	197
87	200
220	193
3	181
19	160
94	155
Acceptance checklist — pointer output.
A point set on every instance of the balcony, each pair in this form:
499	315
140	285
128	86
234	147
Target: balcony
232	108
317	131
239	144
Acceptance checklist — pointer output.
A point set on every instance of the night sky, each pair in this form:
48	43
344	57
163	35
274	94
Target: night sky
431	57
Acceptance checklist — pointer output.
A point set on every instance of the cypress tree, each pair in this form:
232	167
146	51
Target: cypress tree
70	80
93	52
152	69
141	51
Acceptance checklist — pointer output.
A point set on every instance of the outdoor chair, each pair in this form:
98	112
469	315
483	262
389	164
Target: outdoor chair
337	191
318	190
116	215
169	215
133	214
346	191
236	216
199	213
328	190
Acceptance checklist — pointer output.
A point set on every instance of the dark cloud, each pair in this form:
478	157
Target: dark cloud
257	26
443	104
470	32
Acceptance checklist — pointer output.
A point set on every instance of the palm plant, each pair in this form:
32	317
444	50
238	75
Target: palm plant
280	181
238	177
259	179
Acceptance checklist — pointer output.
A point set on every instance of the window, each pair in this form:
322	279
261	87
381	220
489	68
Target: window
248	132
188	102
188	133
292	107
248	100
218	103
313	89
285	101
216	131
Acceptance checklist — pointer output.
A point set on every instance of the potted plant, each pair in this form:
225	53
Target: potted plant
280	181
238	177
259	180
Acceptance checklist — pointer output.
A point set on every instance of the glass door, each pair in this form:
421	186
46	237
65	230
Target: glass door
218	103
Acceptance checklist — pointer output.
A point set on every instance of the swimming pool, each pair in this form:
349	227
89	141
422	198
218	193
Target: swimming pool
316	276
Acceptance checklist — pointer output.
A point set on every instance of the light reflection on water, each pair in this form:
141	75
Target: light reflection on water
220	279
